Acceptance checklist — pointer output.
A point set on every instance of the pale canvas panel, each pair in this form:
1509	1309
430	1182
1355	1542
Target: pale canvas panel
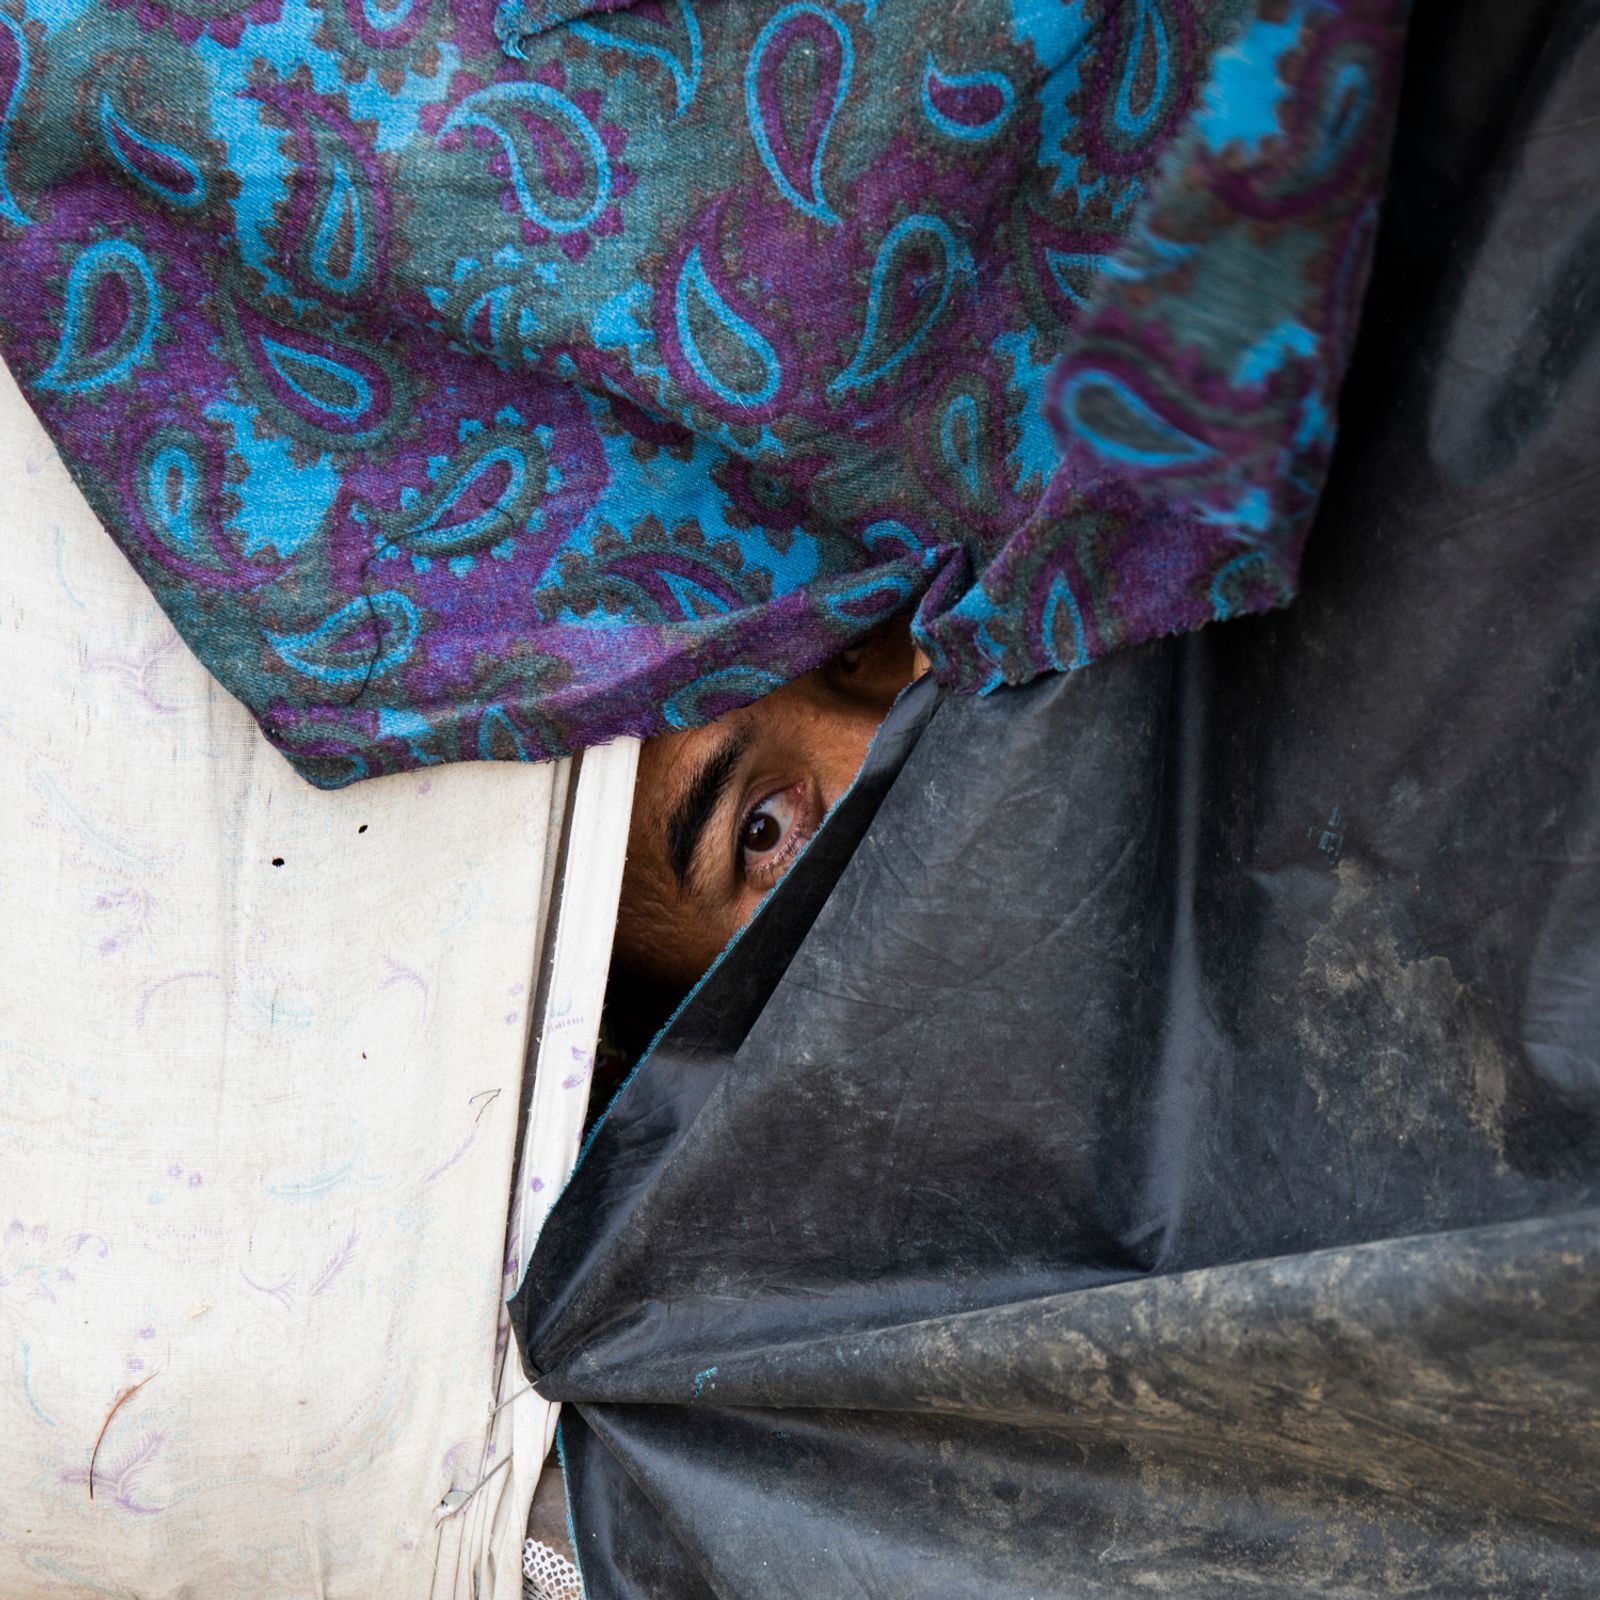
576	954
257	1119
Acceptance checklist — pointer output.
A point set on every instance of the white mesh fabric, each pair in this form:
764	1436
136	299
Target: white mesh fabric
548	1574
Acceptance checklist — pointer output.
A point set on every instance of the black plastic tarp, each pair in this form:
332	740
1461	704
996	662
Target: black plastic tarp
1148	1144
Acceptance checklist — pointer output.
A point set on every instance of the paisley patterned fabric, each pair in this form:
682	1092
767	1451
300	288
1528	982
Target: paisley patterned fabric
485	383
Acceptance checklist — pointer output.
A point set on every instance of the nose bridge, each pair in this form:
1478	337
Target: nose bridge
845	703
844	718
828	719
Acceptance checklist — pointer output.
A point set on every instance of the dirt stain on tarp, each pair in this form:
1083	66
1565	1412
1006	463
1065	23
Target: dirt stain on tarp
1427	1048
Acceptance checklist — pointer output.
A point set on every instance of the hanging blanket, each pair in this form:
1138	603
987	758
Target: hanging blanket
474	383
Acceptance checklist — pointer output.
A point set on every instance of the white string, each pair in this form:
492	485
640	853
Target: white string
494	1411
458	1499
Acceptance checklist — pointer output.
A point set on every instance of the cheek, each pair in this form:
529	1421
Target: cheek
645	921
669	937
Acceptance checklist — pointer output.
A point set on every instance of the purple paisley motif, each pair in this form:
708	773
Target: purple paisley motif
162	168
557	160
673	589
328	385
969	106
1333	123
734	360
336	226
1143	82
110	307
791	129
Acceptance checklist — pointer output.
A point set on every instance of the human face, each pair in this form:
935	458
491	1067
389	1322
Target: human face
721	813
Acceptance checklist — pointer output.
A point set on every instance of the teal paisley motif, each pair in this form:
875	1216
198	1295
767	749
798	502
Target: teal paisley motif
1250	582
966	433
515	733
728	354
628	33
111	312
1121	425
1146	84
654	575
559	168
513	727
329	391
174	492
1063	627
484	322
337	255
853	605
489	309
162	169
710	696
958	443
484	498
358	644
793	159
15	64
893	334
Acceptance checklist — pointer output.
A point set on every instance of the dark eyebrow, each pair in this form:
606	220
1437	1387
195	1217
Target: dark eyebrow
691	814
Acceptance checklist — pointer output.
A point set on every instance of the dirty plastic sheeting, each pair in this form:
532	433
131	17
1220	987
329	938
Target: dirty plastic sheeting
1150	1143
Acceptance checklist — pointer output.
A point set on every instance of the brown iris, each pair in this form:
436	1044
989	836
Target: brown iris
762	832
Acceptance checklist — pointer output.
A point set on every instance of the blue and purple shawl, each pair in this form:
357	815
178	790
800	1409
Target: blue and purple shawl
485	383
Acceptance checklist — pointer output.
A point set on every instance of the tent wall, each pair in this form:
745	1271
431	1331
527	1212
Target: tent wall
261	1061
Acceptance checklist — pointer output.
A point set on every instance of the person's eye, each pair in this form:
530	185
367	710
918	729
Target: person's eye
772	831
767	826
